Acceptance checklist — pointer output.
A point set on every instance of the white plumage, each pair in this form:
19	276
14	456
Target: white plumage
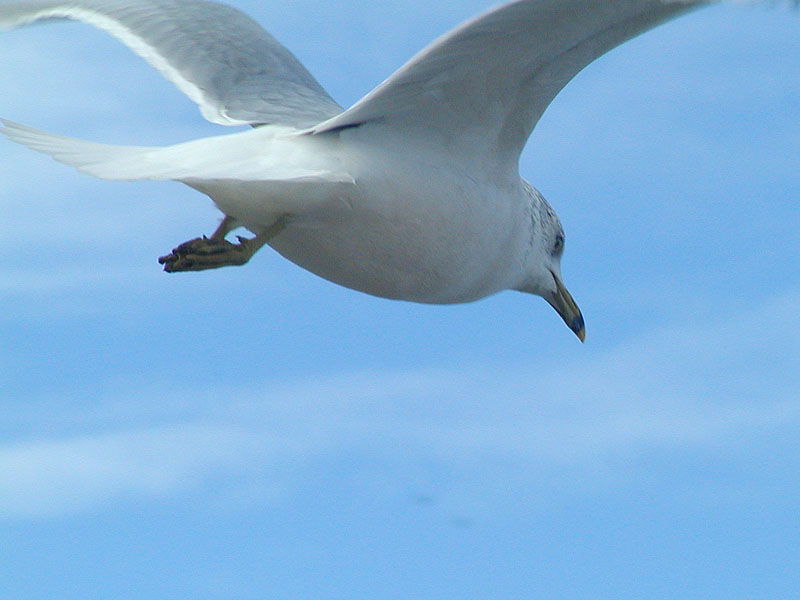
412	193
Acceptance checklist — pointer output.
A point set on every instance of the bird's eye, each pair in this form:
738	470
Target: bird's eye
558	246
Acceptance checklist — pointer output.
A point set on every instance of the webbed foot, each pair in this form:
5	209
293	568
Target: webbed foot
204	253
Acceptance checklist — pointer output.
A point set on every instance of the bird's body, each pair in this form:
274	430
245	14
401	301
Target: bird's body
412	193
379	225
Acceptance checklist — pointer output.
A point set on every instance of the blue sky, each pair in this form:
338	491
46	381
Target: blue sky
262	433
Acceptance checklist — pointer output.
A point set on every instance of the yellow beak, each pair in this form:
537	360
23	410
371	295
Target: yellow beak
565	306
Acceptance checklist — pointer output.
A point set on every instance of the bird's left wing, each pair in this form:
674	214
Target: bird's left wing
233	69
484	85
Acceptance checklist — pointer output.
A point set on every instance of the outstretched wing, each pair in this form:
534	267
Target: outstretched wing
234	70
483	86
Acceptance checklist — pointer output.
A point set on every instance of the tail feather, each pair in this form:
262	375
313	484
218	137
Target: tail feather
101	160
262	154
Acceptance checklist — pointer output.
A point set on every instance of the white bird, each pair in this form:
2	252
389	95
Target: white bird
412	193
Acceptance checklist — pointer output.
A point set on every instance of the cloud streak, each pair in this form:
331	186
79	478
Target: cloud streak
57	476
685	387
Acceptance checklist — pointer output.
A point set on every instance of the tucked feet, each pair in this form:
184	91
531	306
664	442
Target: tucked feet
213	252
204	253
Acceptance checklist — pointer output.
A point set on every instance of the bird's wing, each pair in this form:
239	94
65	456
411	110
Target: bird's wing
483	86
232	68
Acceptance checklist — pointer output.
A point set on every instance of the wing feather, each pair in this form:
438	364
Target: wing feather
484	85
221	59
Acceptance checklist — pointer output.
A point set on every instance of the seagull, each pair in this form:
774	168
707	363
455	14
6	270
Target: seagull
412	193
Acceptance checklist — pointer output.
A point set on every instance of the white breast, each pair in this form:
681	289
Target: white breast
412	229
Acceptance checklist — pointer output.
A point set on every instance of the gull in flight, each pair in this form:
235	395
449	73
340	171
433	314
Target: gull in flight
412	193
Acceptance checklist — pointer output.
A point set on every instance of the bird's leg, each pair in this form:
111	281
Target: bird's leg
228	224
213	252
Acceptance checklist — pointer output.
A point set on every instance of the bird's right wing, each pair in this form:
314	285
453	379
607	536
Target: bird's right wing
233	69
481	88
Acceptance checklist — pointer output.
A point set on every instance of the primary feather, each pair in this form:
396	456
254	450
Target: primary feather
485	84
236	72
413	192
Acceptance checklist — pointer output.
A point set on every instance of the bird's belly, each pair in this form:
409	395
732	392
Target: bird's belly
406	258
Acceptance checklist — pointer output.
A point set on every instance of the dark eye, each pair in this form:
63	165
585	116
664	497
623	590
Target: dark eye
558	246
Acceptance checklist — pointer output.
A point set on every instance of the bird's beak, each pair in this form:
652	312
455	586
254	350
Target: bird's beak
565	306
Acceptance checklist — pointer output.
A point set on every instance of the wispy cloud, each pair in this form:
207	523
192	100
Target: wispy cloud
47	280
56	476
688	387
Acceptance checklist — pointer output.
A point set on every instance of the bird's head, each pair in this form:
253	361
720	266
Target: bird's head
543	262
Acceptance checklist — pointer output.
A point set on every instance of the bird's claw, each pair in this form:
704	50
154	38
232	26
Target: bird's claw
204	253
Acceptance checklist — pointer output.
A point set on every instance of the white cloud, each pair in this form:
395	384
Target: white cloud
47	280
701	385
57	476
682	388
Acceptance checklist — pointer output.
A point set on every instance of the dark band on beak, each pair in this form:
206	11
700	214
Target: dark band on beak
565	306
